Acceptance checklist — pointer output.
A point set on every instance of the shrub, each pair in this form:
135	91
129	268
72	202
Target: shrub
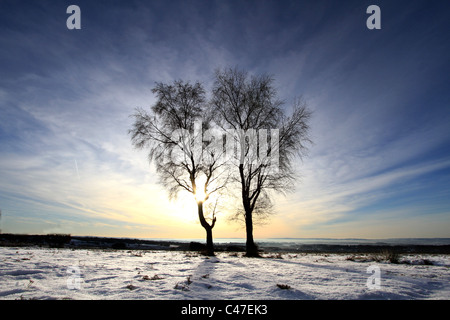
119	245
131	287
355	258
427	262
56	240
181	286
283	286
155	277
387	255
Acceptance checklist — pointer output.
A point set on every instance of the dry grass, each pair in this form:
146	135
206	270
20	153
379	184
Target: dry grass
284	286
383	256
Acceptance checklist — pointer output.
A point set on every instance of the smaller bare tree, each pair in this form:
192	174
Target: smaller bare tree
185	156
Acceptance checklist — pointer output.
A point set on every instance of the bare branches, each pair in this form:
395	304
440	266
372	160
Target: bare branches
178	135
248	105
241	137
181	104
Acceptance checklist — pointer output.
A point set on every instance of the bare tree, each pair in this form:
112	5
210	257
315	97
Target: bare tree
174	132
248	109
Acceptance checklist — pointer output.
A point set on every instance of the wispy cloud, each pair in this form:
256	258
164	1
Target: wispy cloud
380	123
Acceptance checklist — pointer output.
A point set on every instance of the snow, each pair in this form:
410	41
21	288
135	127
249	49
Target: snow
92	274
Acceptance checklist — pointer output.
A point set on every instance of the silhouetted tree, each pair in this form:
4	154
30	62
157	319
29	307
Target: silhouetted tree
248	109
174	133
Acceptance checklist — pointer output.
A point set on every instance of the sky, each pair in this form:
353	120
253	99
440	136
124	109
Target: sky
379	166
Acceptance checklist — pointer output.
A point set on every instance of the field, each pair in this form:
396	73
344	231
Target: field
94	274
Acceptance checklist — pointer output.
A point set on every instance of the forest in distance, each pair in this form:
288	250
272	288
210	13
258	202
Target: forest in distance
293	245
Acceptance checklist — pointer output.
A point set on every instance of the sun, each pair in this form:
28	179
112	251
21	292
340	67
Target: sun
200	194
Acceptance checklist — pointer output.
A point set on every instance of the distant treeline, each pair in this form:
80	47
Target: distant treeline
90	242
52	240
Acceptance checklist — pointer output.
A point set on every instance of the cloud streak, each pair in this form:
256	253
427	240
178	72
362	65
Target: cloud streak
380	102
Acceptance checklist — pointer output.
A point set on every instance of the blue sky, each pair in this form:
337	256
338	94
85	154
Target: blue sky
380	163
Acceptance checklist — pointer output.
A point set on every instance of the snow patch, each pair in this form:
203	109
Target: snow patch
111	274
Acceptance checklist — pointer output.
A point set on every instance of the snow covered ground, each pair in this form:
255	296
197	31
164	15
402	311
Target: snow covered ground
35	273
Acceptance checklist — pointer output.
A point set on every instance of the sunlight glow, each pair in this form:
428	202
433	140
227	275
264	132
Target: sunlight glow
200	194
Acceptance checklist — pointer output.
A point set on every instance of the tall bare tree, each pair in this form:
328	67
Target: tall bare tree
267	140
174	133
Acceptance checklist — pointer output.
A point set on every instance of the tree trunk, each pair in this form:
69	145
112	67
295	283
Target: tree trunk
209	242
208	228
251	248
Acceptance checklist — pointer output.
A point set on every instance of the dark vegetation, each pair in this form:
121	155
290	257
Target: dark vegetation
48	240
394	256
384	252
